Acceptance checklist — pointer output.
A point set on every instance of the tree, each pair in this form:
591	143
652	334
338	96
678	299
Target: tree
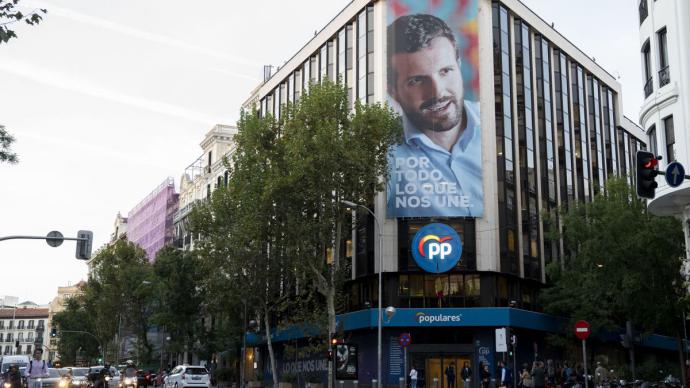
118	293
10	14
75	317
243	243
177	297
333	155
624	264
6	140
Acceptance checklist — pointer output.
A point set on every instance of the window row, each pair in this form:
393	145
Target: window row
9	337
28	349
664	75
21	324
557	140
347	57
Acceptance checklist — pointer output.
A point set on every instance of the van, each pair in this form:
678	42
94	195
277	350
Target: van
20	361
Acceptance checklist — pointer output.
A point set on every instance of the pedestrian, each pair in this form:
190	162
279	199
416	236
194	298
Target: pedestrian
525	377
504	375
413	377
38	369
550	373
538	375
466	374
13	377
450	376
485	375
600	375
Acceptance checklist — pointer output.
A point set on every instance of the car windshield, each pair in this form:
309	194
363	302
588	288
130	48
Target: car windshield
54	373
80	372
6	367
196	371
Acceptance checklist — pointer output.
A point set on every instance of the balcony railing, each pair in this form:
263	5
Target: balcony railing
643	10
664	76
648	87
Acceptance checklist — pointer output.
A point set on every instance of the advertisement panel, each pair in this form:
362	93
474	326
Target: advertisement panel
346	362
433	82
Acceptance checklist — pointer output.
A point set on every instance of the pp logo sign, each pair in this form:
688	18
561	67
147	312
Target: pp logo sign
436	248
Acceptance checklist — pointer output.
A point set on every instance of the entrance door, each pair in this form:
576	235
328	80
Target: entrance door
444	367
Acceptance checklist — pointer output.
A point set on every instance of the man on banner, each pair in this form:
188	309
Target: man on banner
436	169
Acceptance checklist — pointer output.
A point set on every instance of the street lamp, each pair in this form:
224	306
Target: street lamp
380	311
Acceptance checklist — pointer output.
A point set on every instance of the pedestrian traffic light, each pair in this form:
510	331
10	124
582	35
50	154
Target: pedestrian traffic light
647	171
16	344
53	332
84	244
329	355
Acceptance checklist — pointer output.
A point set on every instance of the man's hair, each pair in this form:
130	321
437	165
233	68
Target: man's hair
38	350
411	33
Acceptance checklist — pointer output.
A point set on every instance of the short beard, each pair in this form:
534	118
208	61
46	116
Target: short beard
422	123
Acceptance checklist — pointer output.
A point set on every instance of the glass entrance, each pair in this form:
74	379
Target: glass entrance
446	369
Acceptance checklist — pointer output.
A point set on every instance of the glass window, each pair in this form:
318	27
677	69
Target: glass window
362	56
416	285
643	10
670	139
404	285
647	68
664	74
653	148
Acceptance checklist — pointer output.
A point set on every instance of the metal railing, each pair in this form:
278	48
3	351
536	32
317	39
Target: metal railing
648	87
664	76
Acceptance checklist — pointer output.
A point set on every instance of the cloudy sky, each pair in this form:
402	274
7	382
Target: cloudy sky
108	98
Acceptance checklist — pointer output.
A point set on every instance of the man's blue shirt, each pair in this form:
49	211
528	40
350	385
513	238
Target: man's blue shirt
427	180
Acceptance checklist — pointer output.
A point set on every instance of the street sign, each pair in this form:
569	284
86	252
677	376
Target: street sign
501	343
582	330
675	174
405	340
54	238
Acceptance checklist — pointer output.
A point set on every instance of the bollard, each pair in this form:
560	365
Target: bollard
341	384
374	383
401	382
355	384
435	382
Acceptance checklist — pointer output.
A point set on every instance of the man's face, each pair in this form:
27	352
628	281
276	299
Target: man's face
429	87
37	355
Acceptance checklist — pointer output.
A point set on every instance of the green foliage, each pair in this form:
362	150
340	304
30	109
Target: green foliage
6	140
10	14
75	317
120	291
177	299
623	264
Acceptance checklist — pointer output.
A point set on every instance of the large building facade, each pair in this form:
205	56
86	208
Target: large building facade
150	223
665	113
23	329
551	133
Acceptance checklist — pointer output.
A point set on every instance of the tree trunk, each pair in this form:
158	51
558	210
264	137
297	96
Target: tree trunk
269	344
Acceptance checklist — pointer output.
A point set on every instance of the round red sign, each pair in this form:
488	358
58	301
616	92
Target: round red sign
582	330
405	339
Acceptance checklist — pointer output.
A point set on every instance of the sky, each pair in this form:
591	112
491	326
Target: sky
109	98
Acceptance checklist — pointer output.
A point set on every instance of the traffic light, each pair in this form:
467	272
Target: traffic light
647	164
53	332
84	246
334	340
329	355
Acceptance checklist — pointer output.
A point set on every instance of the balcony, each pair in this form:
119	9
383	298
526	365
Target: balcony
664	77
182	213
644	12
648	87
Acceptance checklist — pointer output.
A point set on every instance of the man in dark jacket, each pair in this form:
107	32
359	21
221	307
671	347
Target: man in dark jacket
466	374
538	374
14	377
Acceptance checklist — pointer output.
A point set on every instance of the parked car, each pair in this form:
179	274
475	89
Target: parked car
184	376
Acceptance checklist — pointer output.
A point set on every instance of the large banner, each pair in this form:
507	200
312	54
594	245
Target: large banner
433	82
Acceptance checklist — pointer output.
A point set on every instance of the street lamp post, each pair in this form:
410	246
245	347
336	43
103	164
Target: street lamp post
380	311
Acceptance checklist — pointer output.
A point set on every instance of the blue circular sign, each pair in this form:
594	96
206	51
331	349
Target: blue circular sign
436	248
675	174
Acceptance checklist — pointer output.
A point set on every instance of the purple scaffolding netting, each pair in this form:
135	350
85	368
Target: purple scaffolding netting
150	223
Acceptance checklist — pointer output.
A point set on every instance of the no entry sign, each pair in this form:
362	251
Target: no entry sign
582	330
405	340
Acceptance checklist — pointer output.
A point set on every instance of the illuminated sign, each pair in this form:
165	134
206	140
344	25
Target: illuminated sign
436	248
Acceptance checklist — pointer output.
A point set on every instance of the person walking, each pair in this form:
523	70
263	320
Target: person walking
485	376
466	374
413	377
450	376
38	369
525	377
538	375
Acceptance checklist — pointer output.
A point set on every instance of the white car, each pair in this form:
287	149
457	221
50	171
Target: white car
184	376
